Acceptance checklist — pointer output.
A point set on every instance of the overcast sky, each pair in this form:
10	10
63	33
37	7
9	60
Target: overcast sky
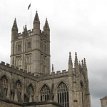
76	25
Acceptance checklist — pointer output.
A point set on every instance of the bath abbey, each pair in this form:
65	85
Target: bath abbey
29	81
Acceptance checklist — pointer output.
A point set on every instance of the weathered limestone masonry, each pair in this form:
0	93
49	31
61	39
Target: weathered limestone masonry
7	103
30	50
29	79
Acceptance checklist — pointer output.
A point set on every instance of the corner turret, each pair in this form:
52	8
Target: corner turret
46	26
36	24
46	30
14	31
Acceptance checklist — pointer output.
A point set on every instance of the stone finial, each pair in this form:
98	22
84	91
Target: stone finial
46	26
70	64
36	23
36	19
85	65
70	58
14	27
76	59
82	62
52	68
25	32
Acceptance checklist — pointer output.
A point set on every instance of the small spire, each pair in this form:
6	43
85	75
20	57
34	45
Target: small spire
76	59
70	64
25	30
69	55
52	68
84	62
46	26
36	19
70	59
80	65
14	27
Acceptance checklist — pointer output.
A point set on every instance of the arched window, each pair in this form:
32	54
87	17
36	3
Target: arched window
19	90
19	62
63	96
45	93
4	86
30	93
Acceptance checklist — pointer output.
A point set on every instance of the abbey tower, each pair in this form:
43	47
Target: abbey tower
30	50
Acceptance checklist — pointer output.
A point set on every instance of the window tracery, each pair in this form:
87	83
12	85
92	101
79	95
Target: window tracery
4	86
30	92
19	62
45	93
28	44
62	94
19	46
19	90
28	62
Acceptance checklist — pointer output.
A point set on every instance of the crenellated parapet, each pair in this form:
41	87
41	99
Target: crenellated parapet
15	70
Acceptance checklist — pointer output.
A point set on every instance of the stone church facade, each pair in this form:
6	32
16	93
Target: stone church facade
29	79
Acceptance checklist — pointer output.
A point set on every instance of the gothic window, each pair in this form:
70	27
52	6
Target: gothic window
29	45
19	46
4	86
45	93
30	92
19	89
62	94
19	61
28	62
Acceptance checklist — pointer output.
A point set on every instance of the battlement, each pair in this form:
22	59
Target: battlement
16	70
56	74
59	72
24	73
29	33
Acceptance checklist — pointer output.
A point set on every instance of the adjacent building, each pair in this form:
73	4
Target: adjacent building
104	101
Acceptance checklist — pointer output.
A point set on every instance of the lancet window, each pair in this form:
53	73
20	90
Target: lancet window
62	94
19	90
4	86
19	47
30	92
19	61
45	93
28	62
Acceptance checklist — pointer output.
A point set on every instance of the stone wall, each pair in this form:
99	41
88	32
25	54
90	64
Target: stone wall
42	104
6	103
